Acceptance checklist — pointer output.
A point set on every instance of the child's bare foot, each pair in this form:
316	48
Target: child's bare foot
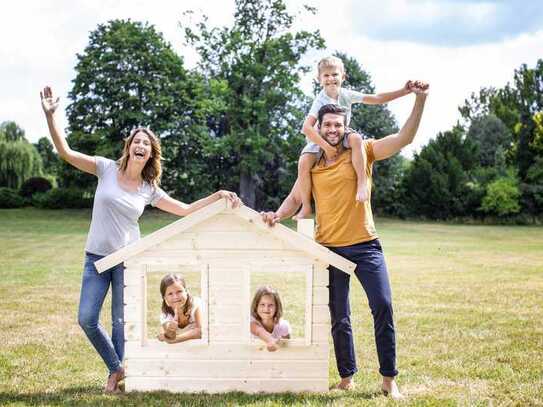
304	213
390	388
362	194
346	383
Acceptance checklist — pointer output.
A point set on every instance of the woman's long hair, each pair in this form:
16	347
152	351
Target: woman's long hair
167	281
152	171
272	292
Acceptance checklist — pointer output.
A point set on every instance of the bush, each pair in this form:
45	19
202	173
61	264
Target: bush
62	198
9	198
502	197
33	185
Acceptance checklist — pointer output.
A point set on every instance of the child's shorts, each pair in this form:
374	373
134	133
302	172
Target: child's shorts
313	148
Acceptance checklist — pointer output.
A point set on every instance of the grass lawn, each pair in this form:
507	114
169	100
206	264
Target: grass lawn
468	304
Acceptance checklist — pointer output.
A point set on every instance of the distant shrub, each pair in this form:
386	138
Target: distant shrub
9	198
33	185
62	198
502	197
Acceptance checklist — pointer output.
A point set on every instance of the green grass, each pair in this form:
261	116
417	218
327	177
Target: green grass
468	304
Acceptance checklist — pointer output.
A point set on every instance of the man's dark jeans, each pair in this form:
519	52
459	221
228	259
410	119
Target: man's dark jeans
372	273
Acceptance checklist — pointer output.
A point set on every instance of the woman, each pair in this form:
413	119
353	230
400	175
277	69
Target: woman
124	188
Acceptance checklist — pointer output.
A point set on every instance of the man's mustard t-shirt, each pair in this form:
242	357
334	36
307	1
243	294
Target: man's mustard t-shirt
341	220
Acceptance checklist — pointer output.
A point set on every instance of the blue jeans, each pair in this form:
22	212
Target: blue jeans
372	273
94	288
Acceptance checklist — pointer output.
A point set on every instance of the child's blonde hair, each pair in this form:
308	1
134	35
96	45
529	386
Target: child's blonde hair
330	62
272	292
167	281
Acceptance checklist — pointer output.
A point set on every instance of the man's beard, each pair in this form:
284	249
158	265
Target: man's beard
339	140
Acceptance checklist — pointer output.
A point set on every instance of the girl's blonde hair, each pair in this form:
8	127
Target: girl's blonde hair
329	62
167	281
152	171
272	292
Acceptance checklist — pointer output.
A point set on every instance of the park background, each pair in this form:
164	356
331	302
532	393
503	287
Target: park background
227	95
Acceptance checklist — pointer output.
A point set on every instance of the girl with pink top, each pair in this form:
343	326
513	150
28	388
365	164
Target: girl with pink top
266	321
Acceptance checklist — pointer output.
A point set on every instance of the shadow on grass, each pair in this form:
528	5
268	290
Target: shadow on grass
92	396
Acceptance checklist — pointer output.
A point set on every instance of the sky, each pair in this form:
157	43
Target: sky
458	46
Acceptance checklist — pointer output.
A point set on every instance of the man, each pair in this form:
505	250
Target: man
346	227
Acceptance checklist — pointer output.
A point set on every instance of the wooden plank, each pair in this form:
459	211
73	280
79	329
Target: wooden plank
228	369
320	277
160	235
227	314
245	240
321	314
195	350
222	222
298	241
308	305
224	257
306	227
133	331
204	289
321	296
189	385
227	332
320	333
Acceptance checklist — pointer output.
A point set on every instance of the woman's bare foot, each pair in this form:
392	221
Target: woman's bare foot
113	381
390	388
346	383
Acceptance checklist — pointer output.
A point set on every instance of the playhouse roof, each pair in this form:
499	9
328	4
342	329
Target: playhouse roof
293	238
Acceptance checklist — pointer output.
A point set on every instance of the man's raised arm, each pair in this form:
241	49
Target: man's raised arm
390	145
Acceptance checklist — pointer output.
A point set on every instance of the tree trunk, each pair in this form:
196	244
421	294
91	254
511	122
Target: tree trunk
247	189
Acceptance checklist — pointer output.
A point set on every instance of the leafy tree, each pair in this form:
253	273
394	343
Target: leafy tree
129	76
437	184
19	159
10	131
49	158
492	139
258	60
502	197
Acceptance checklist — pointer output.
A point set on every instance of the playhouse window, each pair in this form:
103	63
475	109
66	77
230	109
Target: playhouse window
196	282
294	286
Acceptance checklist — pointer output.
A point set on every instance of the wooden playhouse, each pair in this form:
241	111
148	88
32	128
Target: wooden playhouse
226	247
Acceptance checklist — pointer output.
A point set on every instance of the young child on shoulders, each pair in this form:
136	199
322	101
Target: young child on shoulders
266	321
331	74
181	317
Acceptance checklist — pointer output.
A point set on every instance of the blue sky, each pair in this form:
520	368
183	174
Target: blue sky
458	46
452	23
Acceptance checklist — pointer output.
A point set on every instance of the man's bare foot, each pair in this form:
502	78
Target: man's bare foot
304	213
113	381
362	194
346	383
390	388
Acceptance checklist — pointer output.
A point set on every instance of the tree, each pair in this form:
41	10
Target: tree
10	131
49	158
502	197
491	137
19	159
129	76
258	60
438	184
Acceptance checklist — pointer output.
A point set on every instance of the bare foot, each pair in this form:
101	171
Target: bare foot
304	213
390	388
362	194
346	383
113	381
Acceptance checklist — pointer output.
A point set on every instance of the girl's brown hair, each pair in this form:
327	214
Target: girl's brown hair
272	292
167	281
152	171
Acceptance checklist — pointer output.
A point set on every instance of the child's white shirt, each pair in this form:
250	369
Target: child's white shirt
345	99
280	330
196	303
